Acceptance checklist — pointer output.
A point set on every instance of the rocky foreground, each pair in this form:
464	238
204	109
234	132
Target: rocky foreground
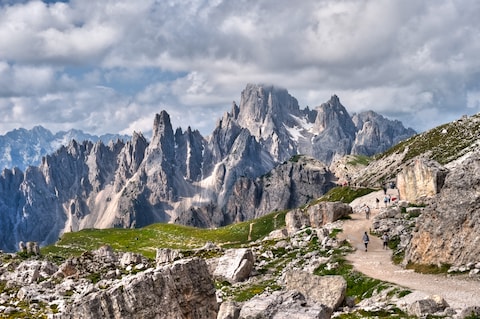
286	275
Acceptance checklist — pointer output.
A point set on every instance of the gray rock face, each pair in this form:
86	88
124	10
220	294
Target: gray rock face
234	266
316	216
448	230
291	184
375	134
283	305
421	179
181	290
326	290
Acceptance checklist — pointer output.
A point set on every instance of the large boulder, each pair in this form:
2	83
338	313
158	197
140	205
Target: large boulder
427	306
234	266
327	290
283	305
184	289
316	215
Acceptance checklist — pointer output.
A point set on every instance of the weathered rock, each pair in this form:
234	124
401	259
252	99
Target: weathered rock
277	234
234	266
327	290
448	231
316	215
30	271
283	305
422	178
228	310
105	253
427	306
167	255
470	312
182	290
130	258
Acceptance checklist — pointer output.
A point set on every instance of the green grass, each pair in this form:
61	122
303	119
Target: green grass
146	240
443	147
355	160
344	194
384	313
256	289
428	268
359	286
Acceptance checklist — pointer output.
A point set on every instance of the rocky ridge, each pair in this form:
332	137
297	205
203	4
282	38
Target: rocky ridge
248	167
22	148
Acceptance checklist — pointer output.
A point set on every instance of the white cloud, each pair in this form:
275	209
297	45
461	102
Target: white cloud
193	58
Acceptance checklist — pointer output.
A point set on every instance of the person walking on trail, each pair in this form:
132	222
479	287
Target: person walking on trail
367	212
377	201
366	240
385	240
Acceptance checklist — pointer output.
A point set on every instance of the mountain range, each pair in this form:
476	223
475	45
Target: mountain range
249	166
22	148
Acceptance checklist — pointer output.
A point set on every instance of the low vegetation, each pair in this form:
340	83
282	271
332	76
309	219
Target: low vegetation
355	160
345	194
443	144
146	240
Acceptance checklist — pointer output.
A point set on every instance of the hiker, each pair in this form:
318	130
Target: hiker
367	212
377	201
385	200
385	240
365	239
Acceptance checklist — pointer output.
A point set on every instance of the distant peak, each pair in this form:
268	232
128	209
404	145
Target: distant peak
334	99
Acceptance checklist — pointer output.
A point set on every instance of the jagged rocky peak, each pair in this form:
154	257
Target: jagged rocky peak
333	114
264	107
162	128
375	133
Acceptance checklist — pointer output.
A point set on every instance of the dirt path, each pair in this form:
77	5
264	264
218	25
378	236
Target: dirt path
459	292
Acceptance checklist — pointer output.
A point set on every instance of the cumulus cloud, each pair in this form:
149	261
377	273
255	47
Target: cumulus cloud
80	63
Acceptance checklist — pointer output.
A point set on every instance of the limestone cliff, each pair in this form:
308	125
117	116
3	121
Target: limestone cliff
420	179
448	231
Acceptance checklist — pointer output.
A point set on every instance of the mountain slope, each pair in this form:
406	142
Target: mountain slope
180	176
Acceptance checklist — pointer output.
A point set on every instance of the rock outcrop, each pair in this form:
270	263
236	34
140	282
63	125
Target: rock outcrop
448	231
421	179
316	215
234	266
182	290
325	290
283	305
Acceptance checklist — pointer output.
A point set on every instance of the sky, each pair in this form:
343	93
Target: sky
109	66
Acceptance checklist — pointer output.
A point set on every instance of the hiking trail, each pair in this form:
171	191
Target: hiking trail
459	291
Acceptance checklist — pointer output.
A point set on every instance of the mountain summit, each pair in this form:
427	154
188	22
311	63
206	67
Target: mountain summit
247	167
326	132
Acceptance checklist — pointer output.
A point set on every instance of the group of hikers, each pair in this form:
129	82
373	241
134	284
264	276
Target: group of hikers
366	209
366	240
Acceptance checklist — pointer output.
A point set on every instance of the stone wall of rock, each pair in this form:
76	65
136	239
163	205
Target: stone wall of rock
420	179
183	289
448	231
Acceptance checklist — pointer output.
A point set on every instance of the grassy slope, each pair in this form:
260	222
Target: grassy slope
146	240
444	143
